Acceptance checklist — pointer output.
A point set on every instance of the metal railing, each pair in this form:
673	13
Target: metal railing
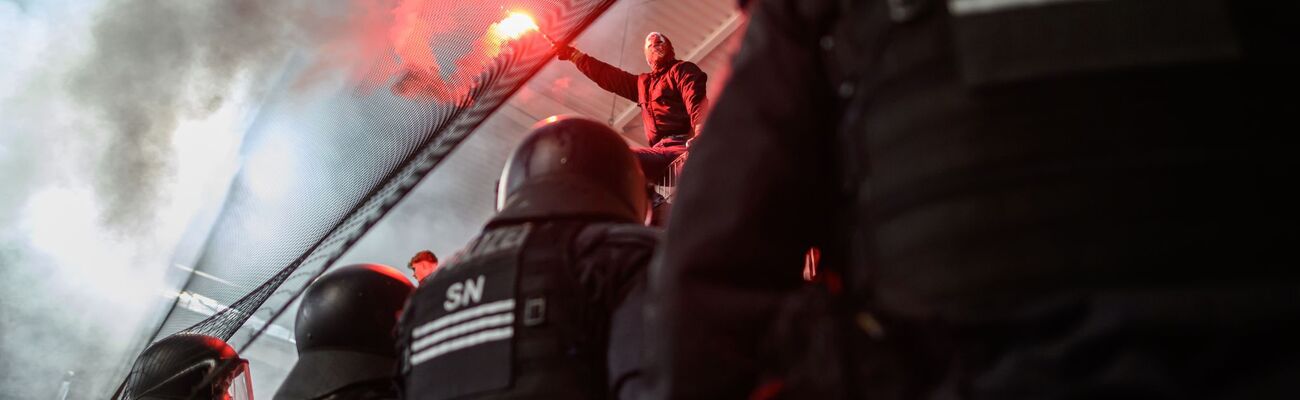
667	186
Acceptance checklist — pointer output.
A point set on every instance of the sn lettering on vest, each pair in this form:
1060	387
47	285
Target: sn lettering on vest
461	294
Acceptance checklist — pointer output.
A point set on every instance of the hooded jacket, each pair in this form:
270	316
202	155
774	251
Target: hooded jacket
673	98
1077	213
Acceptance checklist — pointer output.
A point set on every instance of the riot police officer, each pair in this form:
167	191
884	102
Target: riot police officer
344	333
529	308
1022	199
189	366
422	265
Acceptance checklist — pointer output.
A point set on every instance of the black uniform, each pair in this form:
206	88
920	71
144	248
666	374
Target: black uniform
344	333
524	312
1061	199
530	306
188	366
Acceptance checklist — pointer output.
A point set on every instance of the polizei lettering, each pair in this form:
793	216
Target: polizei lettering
492	243
462	294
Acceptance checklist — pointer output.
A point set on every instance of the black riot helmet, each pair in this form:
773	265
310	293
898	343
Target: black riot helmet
572	167
189	366
344	331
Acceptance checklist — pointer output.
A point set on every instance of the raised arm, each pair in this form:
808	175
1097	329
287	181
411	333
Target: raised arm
606	76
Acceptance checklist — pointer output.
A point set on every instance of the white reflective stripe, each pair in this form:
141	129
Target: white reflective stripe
970	7
490	321
468	313
491	335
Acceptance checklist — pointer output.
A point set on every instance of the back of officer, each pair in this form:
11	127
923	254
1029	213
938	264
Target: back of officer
1027	199
344	334
525	309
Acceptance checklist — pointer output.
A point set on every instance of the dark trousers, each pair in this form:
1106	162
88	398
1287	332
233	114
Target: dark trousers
656	159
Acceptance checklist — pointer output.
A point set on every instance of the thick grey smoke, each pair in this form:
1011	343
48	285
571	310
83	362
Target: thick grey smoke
118	119
155	62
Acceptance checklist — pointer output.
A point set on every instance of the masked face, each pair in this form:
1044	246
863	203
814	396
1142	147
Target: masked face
658	50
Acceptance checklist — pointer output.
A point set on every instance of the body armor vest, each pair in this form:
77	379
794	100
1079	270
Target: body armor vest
997	151
972	129
505	320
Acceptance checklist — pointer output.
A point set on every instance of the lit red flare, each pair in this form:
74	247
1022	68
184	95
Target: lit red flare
405	39
424	78
515	25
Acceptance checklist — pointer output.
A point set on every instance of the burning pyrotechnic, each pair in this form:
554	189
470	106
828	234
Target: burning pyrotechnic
515	25
422	76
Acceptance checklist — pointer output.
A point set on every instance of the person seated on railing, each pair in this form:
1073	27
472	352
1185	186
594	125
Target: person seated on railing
672	98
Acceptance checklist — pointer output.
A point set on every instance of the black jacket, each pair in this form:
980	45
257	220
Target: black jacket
1033	219
571	286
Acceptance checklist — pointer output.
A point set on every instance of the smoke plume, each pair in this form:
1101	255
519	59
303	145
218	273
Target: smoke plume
156	62
118	120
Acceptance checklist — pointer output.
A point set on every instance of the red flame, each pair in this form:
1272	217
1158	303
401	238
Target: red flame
391	44
514	26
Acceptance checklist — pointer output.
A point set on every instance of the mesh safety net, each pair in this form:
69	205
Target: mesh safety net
324	176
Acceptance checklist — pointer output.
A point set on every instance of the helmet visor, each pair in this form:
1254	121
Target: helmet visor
239	384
